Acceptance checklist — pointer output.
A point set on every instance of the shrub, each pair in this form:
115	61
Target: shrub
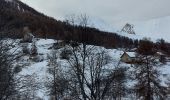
18	68
65	54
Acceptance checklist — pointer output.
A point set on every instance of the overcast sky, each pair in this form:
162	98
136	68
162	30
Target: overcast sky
114	12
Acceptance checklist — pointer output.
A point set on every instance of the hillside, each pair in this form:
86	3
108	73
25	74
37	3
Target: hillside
42	58
15	15
34	76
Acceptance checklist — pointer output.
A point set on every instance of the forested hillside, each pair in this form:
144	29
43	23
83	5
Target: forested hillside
15	15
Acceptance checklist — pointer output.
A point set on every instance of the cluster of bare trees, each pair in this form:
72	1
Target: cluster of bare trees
7	74
86	77
89	78
12	86
58	84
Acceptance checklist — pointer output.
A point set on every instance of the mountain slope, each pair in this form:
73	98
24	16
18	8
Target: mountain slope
35	73
17	5
154	29
15	15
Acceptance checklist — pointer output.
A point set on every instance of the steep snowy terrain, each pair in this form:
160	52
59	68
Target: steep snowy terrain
154	29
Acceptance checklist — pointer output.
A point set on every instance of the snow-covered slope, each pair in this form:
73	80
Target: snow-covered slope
154	29
36	72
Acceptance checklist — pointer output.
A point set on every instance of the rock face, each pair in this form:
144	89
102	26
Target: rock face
128	28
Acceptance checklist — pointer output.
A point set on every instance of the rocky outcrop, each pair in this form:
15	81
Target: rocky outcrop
128	28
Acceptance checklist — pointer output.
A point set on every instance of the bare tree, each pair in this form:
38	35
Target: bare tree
88	63
82	19
27	87
118	88
71	19
57	85
94	80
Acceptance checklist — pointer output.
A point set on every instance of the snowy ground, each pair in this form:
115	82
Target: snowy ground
39	69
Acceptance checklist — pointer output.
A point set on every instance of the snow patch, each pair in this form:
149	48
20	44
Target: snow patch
45	41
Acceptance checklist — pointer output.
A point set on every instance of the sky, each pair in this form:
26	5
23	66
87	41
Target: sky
114	12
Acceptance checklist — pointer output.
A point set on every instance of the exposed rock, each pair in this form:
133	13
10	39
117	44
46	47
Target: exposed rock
128	28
